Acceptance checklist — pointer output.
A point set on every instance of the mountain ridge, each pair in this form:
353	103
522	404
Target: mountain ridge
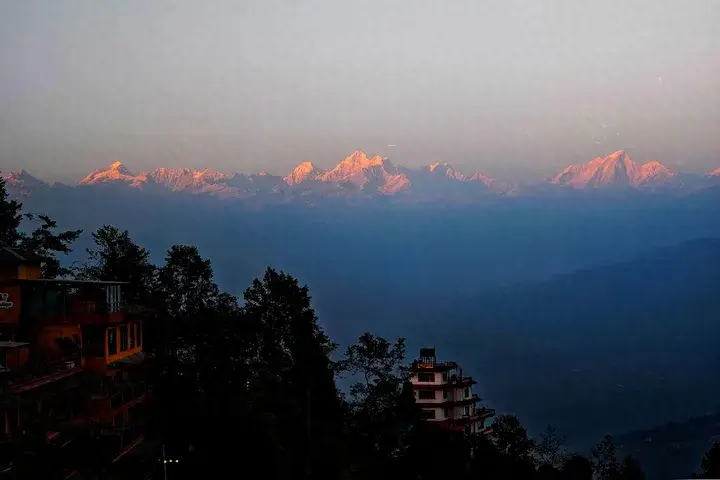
371	176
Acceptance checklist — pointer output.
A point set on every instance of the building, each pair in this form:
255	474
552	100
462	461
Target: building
71	363
446	396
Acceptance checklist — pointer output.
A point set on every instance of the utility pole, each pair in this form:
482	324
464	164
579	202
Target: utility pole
164	461
308	423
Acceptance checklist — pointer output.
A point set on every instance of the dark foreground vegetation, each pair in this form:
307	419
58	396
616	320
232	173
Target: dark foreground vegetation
248	388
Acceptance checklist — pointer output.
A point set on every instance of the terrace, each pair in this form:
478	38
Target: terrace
20	372
64	301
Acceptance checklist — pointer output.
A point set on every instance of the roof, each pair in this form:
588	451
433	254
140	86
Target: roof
11	344
132	359
60	281
14	256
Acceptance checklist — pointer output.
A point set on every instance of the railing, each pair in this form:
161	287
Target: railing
36	374
123	394
432	363
94	307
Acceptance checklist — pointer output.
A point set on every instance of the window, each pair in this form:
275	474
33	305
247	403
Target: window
123	338
445	376
132	335
139	334
467	393
112	341
426	377
445	394
447	413
428	414
94	340
467	410
426	395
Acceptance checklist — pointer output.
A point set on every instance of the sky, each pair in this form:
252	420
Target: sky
517	89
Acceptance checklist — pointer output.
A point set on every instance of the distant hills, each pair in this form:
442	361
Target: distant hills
608	349
361	176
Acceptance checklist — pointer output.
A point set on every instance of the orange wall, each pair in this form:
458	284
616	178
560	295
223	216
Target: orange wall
28	272
46	339
124	353
11	315
16	357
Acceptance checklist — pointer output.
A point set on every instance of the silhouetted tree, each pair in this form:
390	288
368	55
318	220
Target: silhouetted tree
710	463
382	409
43	241
548	472
605	459
550	449
630	469
577	467
116	257
511	438
293	373
10	218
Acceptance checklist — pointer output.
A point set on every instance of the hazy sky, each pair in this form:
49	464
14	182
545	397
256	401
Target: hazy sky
508	87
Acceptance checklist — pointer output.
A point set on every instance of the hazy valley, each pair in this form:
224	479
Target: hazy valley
467	264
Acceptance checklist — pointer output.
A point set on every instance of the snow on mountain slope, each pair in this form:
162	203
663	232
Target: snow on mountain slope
305	171
615	170
21	183
115	172
372	176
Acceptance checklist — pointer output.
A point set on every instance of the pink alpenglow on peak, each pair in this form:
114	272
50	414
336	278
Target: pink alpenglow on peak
446	170
615	170
303	172
654	173
376	172
352	166
21	179
115	172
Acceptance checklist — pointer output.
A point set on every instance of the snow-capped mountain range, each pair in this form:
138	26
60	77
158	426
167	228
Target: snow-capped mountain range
365	176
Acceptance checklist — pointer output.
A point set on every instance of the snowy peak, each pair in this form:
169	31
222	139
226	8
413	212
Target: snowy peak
654	173
615	170
21	183
115	172
21	179
120	168
357	168
303	172
446	170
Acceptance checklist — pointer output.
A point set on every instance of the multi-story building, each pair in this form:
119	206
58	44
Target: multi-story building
446	396
71	358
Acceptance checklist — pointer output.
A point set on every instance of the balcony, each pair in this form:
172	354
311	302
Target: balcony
121	395
71	301
36	374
